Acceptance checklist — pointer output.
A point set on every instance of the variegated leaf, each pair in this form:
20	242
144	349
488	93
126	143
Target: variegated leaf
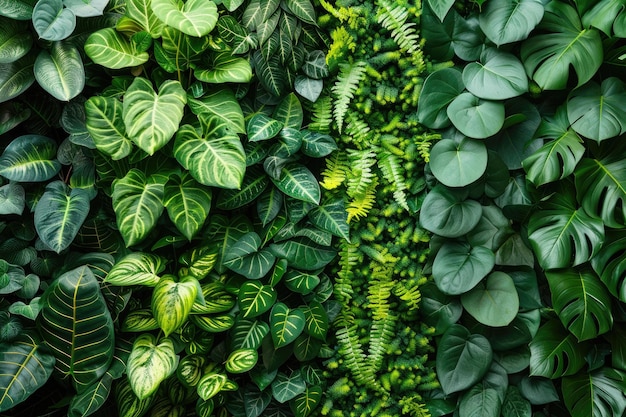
286	324
172	301
211	384
194	17
248	334
105	124
188	203
220	103
111	49
150	362
137	268
30	158
225	68
255	298
241	360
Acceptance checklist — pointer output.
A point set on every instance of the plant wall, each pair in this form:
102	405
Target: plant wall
526	202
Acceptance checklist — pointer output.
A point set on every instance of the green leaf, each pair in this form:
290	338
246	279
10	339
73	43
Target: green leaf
138	204
195	17
515	405
457	268
172	301
86	8
331	216
285	324
439	310
262	127
268	205
111	49
241	360
302	253
475	117
289	112
448	213
60	72
480	401
317	321
317	145
297	181
136	268
17	9
141	12
12	199
75	316
213	156
598	111
604	15
457	164
26	366
150	362
255	298
493	302
52	21
271	74
213	324
562	235
303	10
506	22
560	154
210	385
104	121
59	214
440	7
15	38
554	352
248	334
245	258
564	44
581	301
127	402
462	359
220	103
29	158
304	404
235	35
187	203
152	118
300	282
140	321
538	390
610	264
309	88
16	77
596	394
498	75
225	68
285	388
255	402
439	90
199	261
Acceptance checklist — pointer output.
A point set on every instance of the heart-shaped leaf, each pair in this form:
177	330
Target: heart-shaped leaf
187	203
172	301
111	49
222	104
150	362
136	268
506	22
480	400
255	298
457	268
195	17
302	253
285	388
30	158
141	13
245	258
254	183
448	213
475	117
285	324
498	76
105	123
493	302
458	163
52	21
331	216
439	90
300	282
298	181
225	68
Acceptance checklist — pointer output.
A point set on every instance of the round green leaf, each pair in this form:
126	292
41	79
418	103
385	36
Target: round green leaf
30	158
462	359
457	268
505	21
458	163
111	49
447	213
474	117
52	21
498	76
195	17
439	90
493	302
150	362
60	72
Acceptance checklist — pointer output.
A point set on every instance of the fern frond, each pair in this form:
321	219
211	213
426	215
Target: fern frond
394	19
348	79
408	291
321	112
357	129
359	206
361	175
336	170
414	407
394	173
349	258
354	358
379	291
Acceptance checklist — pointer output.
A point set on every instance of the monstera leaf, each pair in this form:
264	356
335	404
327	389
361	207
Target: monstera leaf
610	263
596	394
195	17
60	72
549	57
30	158
504	21
150	362
104	121
554	352
26	365
111	49
75	322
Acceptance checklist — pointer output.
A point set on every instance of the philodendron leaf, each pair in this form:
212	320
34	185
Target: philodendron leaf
262	127
564	44
458	163
150	362
581	301
136	268
254	183
27	364
245	258
60	72
172	301
220	103
439	90
59	214
152	118
457	268
331	216
195	17
475	117
16	77
297	181
105	124
498	75
448	213
255	298
52	21
493	302
187	203
504	21
599	393
225	68
111	49
554	352
598	112
141	13
30	158
462	359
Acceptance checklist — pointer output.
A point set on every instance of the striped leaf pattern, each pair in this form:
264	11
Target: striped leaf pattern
298	181
254	183
210	385
213	324
199	261
138	204
195	17
127	402
284	387
137	268
244	257
304	404
150	362
77	326
187	203
141	12
255	298
285	324
248	334
30	158
316	320
222	104
216	299
26	365
16	77
262	127
105	124
225	68
241	360
60	72
111	49
172	301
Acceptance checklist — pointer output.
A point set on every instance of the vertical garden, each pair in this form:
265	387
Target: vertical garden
293	208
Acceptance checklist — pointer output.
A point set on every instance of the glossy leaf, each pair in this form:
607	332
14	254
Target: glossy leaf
111	49
317	145
104	121
610	264
52	21
302	253
17	9
439	90
298	181
199	261
285	324
255	298
331	216
12	199
448	213
16	77
268	205
60	72
498	75
210	385
187	203
137	268
506	22
457	268
493	302
89	8
59	214
457	164
151	361
262	127
245	258
554	352
597	394
254	183
475	117
220	103
317	321
241	360
141	12
248	334
309	88
172	301
141	320
225	68
303	10
285	388
15	38
29	158
195	17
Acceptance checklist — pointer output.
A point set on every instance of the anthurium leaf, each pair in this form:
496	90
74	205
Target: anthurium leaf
255	298
213	156
75	315
448	213
458	163
52	21
12	199
581	301
225	68
111	49
195	17
598	111
297	181
27	364
136	268
220	103
16	77
475	117
104	122
480	400
564	44
560	154
262	127
302	253
15	38
245	258
172	301
285	324
141	12
554	352
498	75
152	118
151	361
187	203
462	359
493	302
138	204
610	263
506	22
562	235
29	158
598	394
59	214
457	268
285	388
439	90
331	216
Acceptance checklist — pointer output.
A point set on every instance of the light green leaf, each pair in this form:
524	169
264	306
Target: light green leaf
150	362
105	123
30	158
141	12
241	360
225	68
298	181
309	88
440	7
172	301
475	117
188	203
30	310
211	384
137	268
140	320
220	103
498	75
285	388
195	17
16	77
480	400
268	205
317	145
289	112
199	261
504	21
493	302
12	199
285	324
317	321
111	49
255	298
86	8
52	21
